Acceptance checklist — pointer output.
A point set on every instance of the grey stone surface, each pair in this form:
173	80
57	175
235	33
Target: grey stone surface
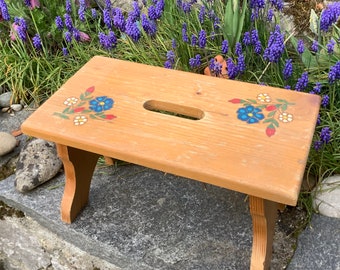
7	143
124	4
16	107
5	99
38	162
26	245
318	246
143	219
326	199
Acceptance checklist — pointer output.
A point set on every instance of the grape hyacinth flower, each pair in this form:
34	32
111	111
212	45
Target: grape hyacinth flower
108	4
325	101
232	69
149	26
278	4
302	82
300	46
334	73
325	135
195	62
194	40
59	23
288	69
107	41
107	18
4	11
317	145
215	67
184	33
257	4
201	14
65	51
37	42
68	36
225	46
170	59
275	47
68	7
159	8
20	27
329	16
68	22
316	89
315	46
173	43
132	30
93	13
152	13
246	39
241	64
330	46
76	34
238	49
270	15
134	15
287	87
81	10
202	39
256	41
119	19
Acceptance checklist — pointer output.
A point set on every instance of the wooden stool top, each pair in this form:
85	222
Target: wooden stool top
249	138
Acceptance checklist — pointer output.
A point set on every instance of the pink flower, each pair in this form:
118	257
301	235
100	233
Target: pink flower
34	4
235	100
13	33
84	37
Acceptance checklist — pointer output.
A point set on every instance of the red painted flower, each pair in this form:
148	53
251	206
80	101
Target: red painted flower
90	89
235	100
79	109
110	116
270	131
271	108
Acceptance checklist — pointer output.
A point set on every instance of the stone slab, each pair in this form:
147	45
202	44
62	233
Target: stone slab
318	245
139	218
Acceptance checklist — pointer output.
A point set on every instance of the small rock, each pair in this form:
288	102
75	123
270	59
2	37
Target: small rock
38	162
6	109
16	107
327	197
7	143
5	99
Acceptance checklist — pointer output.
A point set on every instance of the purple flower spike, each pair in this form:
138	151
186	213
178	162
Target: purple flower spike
288	69
202	39
302	82
325	135
275	46
329	16
59	23
225	46
300	47
315	46
37	42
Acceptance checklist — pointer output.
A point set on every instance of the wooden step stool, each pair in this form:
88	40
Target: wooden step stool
249	138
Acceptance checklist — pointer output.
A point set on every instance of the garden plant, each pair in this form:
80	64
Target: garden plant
43	43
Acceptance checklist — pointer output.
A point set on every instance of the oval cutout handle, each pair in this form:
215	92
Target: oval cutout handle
173	109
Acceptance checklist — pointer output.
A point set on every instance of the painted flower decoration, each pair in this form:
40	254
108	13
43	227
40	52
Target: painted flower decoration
100	104
250	114
263	110
80	120
285	117
95	109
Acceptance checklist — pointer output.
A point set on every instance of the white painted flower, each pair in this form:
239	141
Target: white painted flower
285	117
263	97
79	120
70	101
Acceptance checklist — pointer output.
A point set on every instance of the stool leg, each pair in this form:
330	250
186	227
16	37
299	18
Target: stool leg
79	166
264	215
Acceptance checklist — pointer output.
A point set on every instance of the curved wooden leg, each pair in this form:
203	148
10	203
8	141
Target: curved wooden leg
264	215
79	166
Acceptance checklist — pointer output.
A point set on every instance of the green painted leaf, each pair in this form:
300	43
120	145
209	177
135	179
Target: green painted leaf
281	100
252	100
61	115
67	110
271	114
82	96
284	107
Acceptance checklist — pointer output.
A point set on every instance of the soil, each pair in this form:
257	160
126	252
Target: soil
6	211
300	10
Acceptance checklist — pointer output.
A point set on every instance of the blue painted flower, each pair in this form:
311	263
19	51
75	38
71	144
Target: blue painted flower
100	104
250	114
